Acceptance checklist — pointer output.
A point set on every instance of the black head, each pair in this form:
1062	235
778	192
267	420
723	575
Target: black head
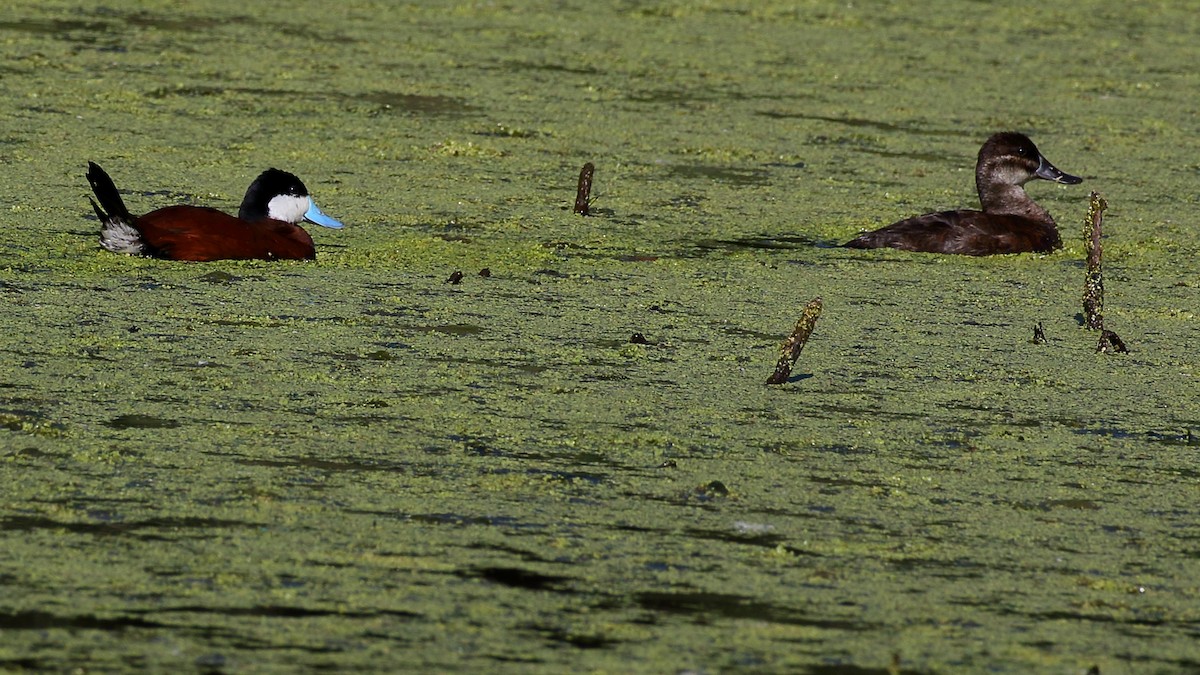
270	184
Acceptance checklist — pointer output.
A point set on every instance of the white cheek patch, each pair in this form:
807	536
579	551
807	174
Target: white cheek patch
288	208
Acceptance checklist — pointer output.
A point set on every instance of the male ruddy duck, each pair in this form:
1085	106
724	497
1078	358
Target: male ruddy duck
1010	221
265	228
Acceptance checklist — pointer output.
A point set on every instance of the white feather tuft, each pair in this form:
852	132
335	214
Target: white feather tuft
119	236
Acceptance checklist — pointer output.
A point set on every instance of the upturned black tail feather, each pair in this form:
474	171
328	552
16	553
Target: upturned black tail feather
111	205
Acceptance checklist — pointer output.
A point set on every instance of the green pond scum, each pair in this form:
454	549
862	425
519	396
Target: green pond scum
351	465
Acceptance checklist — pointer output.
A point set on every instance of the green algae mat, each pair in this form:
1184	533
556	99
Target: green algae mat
568	461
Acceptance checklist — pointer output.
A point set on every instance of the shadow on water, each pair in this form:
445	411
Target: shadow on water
699	606
734	176
59	28
385	101
111	528
704	606
138	421
322	464
703	247
857	122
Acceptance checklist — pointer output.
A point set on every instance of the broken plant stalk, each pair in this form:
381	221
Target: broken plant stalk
583	195
1093	285
791	348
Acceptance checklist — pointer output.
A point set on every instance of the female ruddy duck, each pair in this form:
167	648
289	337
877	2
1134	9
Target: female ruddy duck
1010	221
266	227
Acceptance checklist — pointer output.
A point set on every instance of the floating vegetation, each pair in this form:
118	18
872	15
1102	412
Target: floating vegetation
33	427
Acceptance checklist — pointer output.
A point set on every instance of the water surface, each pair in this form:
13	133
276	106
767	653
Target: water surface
350	464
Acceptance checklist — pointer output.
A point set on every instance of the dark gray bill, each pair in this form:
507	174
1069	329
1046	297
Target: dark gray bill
1050	172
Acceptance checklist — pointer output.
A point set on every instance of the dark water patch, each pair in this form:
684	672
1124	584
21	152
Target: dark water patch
851	669
515	365
570	638
945	569
167	196
139	421
1055	504
517	66
63	29
39	621
573	457
703	606
219	277
383	101
200	91
523	554
416	103
734	536
95	354
858	122
190	24
933	157
737	177
447	329
112	527
840	481
517	577
281	611
330	465
378	355
759	243
1185	437
370	421
28	453
1095	618
556	475
251	323
456	519
673	97
854	412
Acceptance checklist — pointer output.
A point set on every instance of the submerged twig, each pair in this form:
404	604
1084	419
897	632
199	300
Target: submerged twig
791	348
1111	343
1039	334
583	195
1093	285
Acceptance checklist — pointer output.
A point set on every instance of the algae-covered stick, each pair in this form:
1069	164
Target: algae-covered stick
1039	334
791	348
583	195
1093	285
1111	342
